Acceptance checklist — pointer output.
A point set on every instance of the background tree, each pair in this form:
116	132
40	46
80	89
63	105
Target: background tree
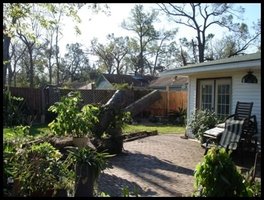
30	42
105	57
111	55
119	46
12	12
17	51
49	18
201	17
141	23
235	43
75	63
161	52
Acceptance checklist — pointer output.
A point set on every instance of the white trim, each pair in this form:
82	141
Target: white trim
255	64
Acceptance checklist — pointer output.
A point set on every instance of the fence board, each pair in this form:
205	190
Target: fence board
170	100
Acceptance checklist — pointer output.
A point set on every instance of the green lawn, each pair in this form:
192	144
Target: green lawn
162	129
38	130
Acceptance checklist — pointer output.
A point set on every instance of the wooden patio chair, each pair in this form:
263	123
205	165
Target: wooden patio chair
231	136
257	160
242	112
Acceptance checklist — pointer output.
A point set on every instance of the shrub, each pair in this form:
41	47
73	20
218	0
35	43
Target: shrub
40	168
14	109
201	121
72	119
178	116
217	176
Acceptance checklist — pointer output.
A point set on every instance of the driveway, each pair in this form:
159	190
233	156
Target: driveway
155	166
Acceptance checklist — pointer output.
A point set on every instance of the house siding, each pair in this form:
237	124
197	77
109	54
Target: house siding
246	92
191	103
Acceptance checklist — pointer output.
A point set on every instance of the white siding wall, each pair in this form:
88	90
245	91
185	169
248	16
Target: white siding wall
191	102
247	92
240	92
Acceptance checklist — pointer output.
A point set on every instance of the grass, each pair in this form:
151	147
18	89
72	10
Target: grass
38	130
162	129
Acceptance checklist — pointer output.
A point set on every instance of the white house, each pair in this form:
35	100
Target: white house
219	84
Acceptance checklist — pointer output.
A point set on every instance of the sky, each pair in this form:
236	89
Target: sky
100	25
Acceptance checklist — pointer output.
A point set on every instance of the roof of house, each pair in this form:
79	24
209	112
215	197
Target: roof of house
171	80
138	81
227	64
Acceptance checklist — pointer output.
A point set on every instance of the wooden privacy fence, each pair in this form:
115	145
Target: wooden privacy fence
169	101
38	100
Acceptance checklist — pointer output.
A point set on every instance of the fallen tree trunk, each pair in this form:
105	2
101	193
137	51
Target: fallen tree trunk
110	121
110	110
141	104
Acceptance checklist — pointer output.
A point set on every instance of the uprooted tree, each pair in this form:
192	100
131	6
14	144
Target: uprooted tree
114	114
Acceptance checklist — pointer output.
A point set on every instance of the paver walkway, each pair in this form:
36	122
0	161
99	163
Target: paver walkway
158	166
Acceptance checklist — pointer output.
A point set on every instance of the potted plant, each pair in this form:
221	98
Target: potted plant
72	120
88	165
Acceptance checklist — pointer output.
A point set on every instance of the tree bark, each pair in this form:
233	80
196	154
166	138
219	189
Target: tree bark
142	103
6	56
113	106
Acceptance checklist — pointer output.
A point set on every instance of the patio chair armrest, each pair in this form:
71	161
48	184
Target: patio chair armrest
231	142
254	118
230	116
206	144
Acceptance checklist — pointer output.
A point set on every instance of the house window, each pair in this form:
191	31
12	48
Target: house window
215	95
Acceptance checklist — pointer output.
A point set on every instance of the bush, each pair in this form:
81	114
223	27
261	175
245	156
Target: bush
72	119
39	168
201	121
178	116
218	176
14	109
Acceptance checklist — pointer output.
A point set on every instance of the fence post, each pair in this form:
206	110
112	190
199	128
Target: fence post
93	92
43	103
168	100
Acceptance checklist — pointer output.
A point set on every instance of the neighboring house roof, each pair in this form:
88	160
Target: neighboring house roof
169	80
228	64
86	86
137	81
176	82
80	85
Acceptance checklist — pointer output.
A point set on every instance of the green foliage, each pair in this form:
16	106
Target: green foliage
201	121
87	155
127	193
120	121
217	176
39	168
253	187
14	109
103	194
120	86
72	120
178	116
12	144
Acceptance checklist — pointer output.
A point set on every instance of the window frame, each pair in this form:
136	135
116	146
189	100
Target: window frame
215	83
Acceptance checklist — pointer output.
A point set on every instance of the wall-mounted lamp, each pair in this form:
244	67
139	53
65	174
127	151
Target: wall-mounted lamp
249	78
